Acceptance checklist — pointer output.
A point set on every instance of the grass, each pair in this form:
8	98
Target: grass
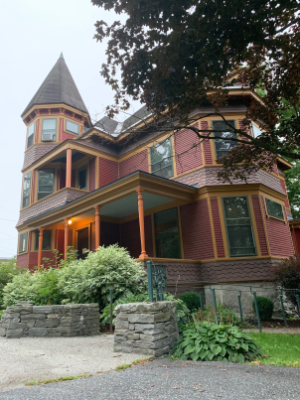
279	349
136	362
63	378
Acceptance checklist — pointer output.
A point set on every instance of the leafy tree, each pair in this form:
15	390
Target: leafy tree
178	55
287	276
7	272
292	180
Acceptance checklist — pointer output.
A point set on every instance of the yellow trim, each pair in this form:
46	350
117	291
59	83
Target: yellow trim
254	226
97	172
264	223
223	228
212	227
174	155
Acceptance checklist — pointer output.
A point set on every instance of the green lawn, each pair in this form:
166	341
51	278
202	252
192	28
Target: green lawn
280	348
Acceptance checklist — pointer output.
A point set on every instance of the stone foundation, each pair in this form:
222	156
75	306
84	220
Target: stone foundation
50	321
146	328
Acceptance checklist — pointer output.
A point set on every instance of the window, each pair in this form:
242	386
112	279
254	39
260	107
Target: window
30	135
256	131
26	190
49	130
167	236
223	146
46	183
274	209
162	159
82	178
239	227
72	127
47	236
23	243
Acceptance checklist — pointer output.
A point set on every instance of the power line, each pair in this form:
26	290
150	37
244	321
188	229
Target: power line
9	235
3	251
9	209
12	220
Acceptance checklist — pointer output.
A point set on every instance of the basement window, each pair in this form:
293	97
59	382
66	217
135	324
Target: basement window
26	190
162	159
239	227
30	138
47	236
223	147
23	242
72	127
274	209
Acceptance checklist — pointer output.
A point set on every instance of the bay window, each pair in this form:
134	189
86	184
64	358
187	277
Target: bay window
23	242
26	190
30	137
161	155
72	127
239	226
223	147
274	209
46	183
47	239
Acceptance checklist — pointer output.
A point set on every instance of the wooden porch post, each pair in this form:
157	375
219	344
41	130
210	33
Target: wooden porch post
97	226
141	220
69	168
66	238
41	234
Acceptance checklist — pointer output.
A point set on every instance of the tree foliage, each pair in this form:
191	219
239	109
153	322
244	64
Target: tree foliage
8	270
287	276
176	56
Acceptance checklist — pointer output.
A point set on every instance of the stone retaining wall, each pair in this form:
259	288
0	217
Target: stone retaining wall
51	321
146	328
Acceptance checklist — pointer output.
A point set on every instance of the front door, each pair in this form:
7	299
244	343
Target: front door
82	242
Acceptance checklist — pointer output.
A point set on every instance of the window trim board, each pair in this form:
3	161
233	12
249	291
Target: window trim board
271	216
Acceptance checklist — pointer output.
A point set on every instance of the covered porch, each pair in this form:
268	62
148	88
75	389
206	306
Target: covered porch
140	212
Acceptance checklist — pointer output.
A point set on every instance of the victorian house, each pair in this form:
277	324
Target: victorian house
158	195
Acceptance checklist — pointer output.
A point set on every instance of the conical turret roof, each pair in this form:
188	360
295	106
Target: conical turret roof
58	87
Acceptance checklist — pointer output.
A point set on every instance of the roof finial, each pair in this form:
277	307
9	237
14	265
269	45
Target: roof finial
61	55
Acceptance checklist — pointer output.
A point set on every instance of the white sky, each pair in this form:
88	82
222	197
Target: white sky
33	34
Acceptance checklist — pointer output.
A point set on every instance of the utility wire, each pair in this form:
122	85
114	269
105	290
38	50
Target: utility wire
9	209
3	233
12	220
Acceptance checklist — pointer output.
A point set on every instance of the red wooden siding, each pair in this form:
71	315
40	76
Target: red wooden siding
130	237
217	227
286	202
279	236
206	144
296	234
60	129
108	171
66	136
92	179
187	150
136	162
260	226
196	231
22	260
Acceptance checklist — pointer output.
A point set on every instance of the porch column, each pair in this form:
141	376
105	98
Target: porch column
41	234
97	226
141	220
66	238
69	168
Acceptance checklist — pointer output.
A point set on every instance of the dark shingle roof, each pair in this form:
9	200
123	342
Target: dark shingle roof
58	87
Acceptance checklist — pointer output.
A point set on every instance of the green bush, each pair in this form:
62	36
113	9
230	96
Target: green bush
265	308
226	315
287	276
79	281
191	299
204	341
7	272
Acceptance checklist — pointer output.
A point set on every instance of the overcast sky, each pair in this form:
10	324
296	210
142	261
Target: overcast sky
33	34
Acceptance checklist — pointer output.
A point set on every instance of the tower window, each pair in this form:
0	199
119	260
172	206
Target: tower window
23	242
46	183
72	127
30	138
223	147
26	190
162	159
49	130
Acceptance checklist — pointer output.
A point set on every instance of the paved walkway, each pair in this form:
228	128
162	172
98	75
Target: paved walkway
174	380
31	359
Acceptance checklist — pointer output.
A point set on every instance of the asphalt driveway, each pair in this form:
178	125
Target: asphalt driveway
166	379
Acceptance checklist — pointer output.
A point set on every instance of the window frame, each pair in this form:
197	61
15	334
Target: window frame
272	216
84	167
36	240
38	185
31	135
26	247
72	122
226	227
215	140
45	119
172	156
29	190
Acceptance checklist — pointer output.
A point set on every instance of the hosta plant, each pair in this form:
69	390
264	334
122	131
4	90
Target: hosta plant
205	341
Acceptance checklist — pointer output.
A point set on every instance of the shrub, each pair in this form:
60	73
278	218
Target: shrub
265	308
191	299
204	341
226	315
287	275
7	271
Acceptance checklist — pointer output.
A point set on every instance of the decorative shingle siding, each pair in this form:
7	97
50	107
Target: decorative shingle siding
187	150
280	241
130	237
206	144
22	260
237	271
136	162
49	203
36	152
260	226
196	231
108	171
92	178
217	227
